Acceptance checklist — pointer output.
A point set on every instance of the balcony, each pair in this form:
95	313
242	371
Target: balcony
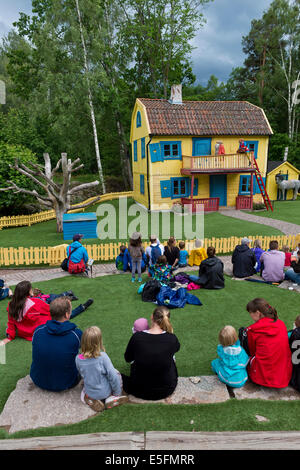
221	164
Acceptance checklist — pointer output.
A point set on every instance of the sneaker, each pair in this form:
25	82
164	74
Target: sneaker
133	279
139	279
88	303
114	400
70	294
95	405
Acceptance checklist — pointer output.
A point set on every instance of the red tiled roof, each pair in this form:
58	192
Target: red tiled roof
205	118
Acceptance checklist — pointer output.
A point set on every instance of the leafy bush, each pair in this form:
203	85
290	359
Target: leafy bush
12	203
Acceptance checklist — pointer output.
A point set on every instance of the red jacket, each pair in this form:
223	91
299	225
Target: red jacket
35	313
271	361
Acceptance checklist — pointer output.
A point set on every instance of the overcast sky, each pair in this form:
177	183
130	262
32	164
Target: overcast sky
217	45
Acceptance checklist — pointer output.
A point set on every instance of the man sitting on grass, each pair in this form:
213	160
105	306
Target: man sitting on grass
55	346
272	263
243	260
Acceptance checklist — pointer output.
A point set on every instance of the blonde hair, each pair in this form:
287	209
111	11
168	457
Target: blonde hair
161	316
228	336
91	342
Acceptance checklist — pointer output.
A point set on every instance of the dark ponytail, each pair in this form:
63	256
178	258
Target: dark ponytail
17	303
263	307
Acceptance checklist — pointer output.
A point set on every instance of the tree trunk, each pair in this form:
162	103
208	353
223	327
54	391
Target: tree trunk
93	119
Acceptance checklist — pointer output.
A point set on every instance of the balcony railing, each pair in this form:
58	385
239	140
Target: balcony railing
207	163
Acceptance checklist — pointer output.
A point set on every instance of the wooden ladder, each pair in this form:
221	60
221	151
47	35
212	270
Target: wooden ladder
261	184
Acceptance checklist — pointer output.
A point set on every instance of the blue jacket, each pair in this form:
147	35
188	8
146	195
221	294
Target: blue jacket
258	252
127	262
79	254
55	346
231	365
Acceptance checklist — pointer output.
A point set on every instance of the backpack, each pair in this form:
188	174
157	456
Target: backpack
155	253
150	291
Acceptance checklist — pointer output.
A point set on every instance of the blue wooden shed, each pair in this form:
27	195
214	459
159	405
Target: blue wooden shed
85	223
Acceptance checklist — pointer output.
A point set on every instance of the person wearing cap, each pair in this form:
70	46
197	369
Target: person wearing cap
243	260
136	252
272	262
155	249
78	256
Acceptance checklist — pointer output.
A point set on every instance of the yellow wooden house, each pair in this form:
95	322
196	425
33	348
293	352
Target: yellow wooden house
187	152
287	170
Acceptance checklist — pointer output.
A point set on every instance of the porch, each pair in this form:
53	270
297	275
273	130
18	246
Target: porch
219	168
220	164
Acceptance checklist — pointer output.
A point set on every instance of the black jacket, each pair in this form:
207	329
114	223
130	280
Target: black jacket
211	273
153	374
296	266
295	348
243	260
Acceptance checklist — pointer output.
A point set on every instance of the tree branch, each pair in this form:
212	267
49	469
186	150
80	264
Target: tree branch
83	186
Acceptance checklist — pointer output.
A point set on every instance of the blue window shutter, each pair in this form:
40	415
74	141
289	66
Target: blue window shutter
138	119
155	153
142	184
135	150
165	188
143	147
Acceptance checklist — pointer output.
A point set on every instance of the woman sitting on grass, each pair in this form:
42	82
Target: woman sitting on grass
26	313
268	346
153	374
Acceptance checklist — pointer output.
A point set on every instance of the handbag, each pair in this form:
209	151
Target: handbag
64	264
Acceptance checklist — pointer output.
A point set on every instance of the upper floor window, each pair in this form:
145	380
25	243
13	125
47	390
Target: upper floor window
171	150
138	119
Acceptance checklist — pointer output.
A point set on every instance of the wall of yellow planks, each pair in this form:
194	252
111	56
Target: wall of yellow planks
108	252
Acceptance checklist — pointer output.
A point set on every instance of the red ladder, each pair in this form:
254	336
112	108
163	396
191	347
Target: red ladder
261	185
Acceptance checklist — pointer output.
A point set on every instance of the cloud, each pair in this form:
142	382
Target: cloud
218	45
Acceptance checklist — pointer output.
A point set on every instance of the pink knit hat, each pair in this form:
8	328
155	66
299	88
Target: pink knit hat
140	324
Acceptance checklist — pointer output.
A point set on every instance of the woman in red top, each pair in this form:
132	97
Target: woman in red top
270	356
25	314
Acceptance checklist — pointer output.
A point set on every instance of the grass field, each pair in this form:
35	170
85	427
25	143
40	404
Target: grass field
116	306
289	211
215	225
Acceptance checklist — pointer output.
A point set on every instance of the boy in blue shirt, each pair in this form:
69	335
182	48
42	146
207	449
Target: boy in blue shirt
183	256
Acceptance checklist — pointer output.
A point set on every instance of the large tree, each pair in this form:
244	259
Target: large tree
47	191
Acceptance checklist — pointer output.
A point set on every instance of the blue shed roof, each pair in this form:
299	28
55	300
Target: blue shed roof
82	217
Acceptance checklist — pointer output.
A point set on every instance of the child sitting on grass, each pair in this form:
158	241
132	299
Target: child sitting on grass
120	260
141	324
288	256
294	340
162	271
102	382
183	256
231	365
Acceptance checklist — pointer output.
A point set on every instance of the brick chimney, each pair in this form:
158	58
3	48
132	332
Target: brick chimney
176	94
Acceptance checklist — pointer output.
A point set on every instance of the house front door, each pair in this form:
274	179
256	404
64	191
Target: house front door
218	188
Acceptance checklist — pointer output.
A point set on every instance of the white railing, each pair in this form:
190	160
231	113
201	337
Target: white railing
209	162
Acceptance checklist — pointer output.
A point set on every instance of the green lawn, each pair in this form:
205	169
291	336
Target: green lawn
197	330
215	225
289	211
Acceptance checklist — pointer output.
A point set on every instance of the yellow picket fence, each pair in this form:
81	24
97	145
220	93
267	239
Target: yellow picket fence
109	251
28	220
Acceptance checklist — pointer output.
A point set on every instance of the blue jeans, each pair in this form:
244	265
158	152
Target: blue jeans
290	275
76	311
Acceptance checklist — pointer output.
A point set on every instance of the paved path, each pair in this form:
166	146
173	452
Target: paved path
286	227
13	276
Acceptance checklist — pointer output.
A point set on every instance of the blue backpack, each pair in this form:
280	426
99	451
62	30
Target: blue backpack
155	254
